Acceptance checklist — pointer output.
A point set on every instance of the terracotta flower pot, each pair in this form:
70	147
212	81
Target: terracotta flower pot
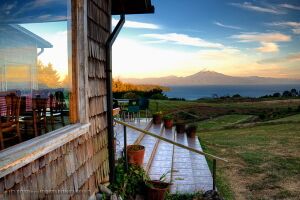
135	154
168	123
157	119
180	127
157	191
191	131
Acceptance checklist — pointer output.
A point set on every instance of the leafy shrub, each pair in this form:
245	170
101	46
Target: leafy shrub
130	95
129	184
159	96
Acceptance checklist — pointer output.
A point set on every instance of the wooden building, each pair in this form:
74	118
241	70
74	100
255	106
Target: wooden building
72	161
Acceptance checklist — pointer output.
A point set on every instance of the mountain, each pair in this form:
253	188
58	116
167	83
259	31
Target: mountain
211	78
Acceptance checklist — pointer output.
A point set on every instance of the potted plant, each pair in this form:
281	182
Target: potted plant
157	117
191	130
180	126
135	154
168	121
157	189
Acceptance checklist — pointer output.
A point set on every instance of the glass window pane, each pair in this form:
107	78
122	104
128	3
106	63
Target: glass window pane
35	62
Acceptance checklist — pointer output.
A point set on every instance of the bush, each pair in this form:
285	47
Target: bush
129	184
130	95
159	97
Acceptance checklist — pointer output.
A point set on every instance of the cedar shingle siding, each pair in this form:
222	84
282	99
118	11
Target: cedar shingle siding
82	163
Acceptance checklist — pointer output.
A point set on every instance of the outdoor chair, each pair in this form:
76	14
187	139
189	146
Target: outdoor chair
144	105
57	106
9	123
36	121
133	109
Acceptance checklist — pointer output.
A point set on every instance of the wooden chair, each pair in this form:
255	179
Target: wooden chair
9	124
37	121
57	106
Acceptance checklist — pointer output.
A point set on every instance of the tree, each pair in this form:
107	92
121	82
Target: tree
277	94
286	94
294	92
66	82
48	77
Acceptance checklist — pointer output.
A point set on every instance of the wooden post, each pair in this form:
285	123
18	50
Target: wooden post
125	147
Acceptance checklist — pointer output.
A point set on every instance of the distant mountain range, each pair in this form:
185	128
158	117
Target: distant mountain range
211	78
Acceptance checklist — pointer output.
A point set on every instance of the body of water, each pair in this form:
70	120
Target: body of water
196	92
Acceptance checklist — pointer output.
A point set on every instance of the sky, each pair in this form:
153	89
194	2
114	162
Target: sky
183	37
239	38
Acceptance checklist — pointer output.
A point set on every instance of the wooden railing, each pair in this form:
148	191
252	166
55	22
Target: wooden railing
213	157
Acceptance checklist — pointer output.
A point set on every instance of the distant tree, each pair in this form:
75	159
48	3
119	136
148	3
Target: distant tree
159	96
286	94
66	82
294	92
130	95
47	76
236	96
277	94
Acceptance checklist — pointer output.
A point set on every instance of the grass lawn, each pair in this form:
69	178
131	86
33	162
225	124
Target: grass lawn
264	158
223	122
264	161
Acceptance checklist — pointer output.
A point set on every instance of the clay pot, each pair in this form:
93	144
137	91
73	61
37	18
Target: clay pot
168	123
180	127
157	119
135	154
157	191
191	131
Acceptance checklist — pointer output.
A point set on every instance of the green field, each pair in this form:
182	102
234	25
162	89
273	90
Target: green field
261	140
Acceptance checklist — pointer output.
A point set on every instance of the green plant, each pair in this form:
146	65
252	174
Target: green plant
129	183
158	113
168	117
130	95
186	196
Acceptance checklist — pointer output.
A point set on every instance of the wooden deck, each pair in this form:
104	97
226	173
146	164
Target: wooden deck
190	172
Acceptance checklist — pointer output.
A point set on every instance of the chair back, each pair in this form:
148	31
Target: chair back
57	101
144	104
39	107
12	107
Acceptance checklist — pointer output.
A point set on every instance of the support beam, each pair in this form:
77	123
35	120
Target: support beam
109	96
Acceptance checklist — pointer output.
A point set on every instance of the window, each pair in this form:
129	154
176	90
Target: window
35	68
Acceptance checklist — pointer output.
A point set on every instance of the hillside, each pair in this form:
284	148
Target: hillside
211	78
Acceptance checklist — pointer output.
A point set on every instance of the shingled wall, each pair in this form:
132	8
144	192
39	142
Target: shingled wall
82	163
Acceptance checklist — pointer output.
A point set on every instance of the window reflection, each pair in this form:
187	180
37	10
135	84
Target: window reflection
34	69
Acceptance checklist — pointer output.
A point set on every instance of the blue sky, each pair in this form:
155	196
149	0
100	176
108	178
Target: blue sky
241	38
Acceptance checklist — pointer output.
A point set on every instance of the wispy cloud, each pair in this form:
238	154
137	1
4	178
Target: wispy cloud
290	58
294	25
267	40
268	47
135	24
265	9
227	26
289	6
262	37
183	39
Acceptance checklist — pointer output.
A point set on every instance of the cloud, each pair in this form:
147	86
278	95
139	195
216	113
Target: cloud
289	6
265	9
267	40
134	24
290	58
183	39
268	47
294	25
262	37
227	26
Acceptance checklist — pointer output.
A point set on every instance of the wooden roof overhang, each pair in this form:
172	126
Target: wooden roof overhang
125	7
